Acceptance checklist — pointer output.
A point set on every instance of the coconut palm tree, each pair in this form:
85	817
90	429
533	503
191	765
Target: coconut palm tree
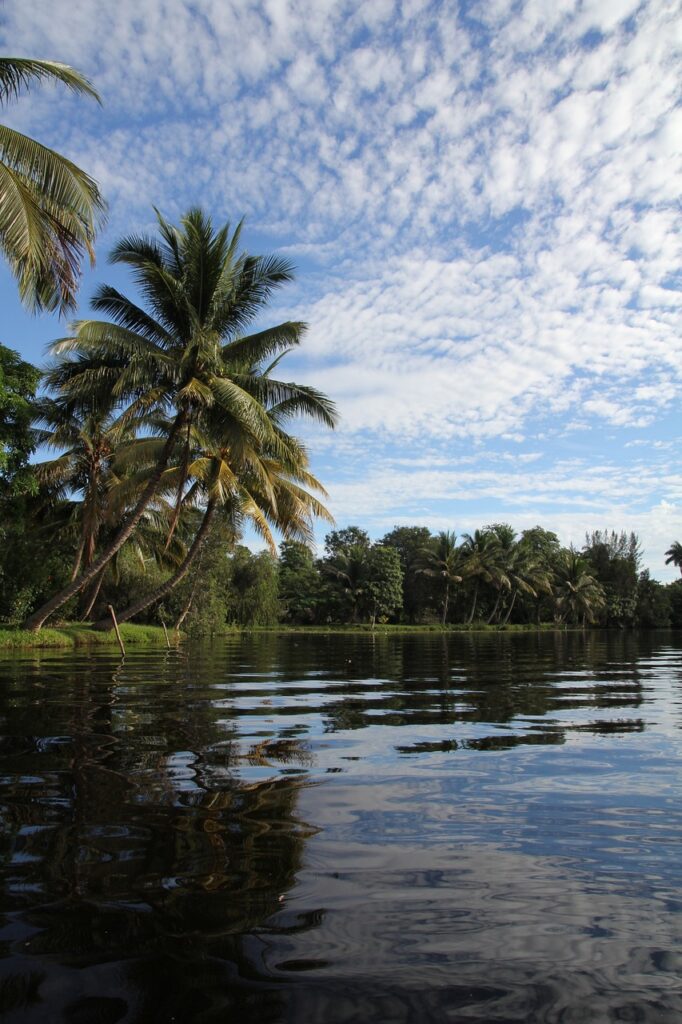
578	595
88	440
526	575
350	567
674	555
182	355
264	490
482	561
442	559
50	209
89	494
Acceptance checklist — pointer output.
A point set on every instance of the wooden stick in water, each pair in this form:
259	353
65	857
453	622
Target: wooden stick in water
118	632
166	634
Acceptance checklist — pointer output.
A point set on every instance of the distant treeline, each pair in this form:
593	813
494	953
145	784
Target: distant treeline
493	577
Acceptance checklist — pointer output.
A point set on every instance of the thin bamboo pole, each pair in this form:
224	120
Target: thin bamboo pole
118	632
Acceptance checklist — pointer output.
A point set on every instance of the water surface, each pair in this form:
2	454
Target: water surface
344	829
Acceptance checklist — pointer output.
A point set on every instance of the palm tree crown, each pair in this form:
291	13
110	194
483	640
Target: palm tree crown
674	554
50	209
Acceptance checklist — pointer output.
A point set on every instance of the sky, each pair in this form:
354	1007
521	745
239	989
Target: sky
482	200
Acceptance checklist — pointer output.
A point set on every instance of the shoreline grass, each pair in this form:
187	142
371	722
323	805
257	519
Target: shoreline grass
397	629
72	635
78	635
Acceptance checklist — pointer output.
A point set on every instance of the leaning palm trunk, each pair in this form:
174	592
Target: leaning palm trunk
180	573
509	609
190	601
35	621
497	605
188	607
78	559
446	602
473	606
94	594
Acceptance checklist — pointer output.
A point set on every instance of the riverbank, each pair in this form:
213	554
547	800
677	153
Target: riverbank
386	628
79	635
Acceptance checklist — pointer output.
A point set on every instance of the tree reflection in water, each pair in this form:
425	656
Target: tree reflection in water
140	870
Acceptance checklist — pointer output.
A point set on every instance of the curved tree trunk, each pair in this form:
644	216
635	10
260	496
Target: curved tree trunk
497	605
36	620
473	607
509	610
94	594
186	610
180	573
78	559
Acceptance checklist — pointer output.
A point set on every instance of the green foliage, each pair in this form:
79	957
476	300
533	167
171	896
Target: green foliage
653	603
363	581
410	542
32	565
200	603
253	594
298	583
18	383
614	559
674	591
579	597
384	591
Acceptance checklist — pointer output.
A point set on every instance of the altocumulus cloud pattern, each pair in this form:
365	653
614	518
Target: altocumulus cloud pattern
482	199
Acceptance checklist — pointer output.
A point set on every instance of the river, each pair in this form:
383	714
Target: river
294	828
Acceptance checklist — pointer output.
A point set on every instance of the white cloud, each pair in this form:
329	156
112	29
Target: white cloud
487	216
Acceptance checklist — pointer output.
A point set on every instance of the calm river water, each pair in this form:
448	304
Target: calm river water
344	829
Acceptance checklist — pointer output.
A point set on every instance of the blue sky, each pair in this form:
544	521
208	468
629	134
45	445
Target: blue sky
482	200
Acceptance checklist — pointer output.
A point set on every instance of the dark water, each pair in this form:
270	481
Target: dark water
343	829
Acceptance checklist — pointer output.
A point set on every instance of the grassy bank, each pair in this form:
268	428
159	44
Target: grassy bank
79	635
387	628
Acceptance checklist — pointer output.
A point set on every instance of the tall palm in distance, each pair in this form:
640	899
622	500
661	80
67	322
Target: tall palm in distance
442	560
483	562
674	555
578	595
183	354
526	575
50	209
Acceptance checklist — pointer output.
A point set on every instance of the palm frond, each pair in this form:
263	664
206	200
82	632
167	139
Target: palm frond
20	73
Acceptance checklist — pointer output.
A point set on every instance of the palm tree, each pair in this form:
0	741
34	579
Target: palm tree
350	567
674	555
483	562
88	440
264	490
443	560
578	594
84	484
184	355
50	209
526	575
